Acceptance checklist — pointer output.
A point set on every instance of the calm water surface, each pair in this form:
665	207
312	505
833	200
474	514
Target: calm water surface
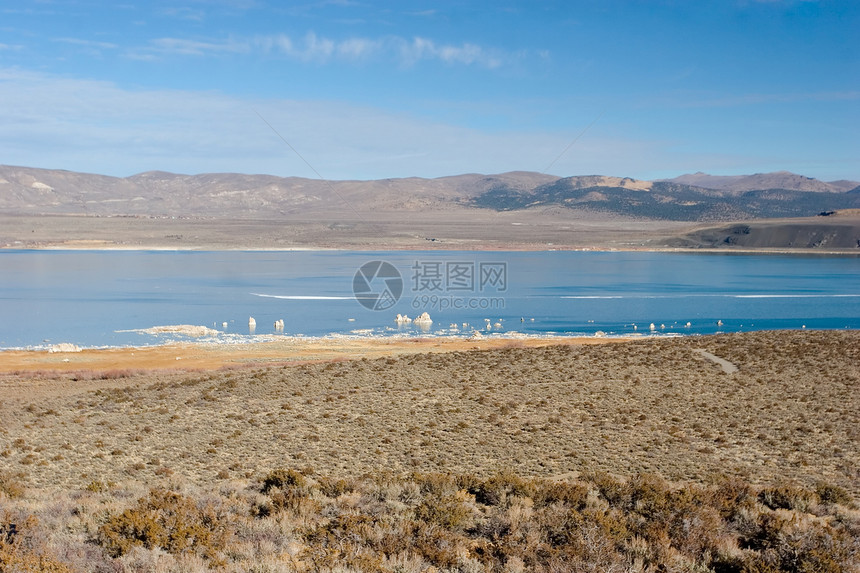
103	298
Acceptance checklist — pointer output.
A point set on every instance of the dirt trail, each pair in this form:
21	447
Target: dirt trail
727	366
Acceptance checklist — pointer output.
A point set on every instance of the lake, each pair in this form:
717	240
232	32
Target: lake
108	298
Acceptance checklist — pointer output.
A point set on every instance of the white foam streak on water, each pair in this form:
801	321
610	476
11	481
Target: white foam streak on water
301	296
692	295
600	297
796	295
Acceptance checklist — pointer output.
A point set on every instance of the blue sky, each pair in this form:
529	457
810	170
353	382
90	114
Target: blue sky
371	89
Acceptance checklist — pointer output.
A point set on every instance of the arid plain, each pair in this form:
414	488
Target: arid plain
279	448
790	411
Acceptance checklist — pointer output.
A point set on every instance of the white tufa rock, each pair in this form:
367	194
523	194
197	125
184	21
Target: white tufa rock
64	347
423	319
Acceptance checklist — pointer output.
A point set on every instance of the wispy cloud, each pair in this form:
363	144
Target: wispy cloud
180	46
419	49
357	48
183	13
83	125
423	13
87	43
92	126
320	49
197	12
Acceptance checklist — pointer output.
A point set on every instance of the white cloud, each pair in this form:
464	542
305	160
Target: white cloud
423	49
87	43
356	48
183	13
311	48
314	48
198	48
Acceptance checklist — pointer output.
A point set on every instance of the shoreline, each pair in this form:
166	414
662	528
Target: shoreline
496	249
458	230
203	356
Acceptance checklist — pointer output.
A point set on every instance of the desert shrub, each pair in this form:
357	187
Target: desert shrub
288	490
333	488
680	520
434	521
23	548
281	478
697	532
730	495
292	499
97	486
592	540
570	494
453	512
116	374
649	495
436	484
165	520
498	489
467	481
831	494
786	497
343	542
613	490
10	485
786	544
437	545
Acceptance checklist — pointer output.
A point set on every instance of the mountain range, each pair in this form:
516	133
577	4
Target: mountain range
691	197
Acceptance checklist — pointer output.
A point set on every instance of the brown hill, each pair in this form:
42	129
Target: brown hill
26	190
760	181
43	207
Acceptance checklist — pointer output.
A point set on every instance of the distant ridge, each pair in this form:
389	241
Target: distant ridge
777	180
691	197
759	196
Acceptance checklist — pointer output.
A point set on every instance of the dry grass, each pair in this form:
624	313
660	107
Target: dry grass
793	410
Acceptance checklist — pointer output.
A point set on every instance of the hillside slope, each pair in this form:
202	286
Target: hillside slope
668	200
697	197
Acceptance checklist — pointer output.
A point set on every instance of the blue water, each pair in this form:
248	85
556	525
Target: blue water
102	298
